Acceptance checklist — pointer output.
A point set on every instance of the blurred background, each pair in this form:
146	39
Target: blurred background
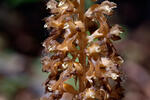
22	33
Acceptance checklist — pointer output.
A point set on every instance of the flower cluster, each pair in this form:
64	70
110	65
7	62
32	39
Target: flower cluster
79	55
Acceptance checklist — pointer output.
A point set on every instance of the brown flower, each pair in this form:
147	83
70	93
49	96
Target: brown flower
80	57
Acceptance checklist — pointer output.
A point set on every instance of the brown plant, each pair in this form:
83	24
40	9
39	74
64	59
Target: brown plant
79	55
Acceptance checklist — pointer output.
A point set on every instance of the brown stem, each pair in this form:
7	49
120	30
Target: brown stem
82	9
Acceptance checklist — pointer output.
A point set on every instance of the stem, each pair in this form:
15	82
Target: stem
82	9
82	36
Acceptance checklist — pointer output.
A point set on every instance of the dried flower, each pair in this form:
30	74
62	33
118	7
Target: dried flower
79	55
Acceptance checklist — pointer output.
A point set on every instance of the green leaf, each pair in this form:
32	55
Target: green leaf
88	33
73	83
95	40
77	84
88	3
78	47
69	55
77	59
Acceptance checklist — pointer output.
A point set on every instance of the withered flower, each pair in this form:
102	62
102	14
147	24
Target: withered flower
79	54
